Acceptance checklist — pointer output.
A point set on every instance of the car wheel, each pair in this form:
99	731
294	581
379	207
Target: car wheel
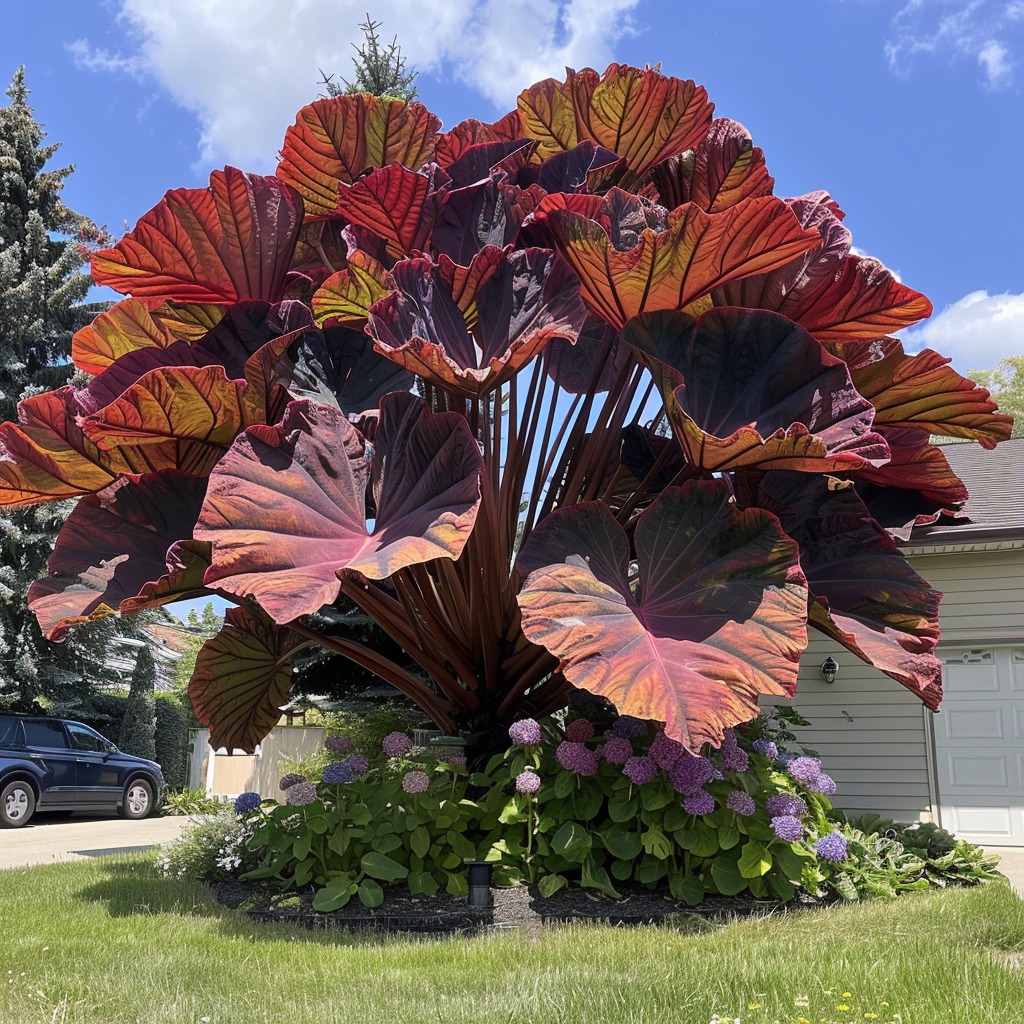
17	802
138	799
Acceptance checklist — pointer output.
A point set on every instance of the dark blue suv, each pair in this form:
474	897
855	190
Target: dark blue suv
50	764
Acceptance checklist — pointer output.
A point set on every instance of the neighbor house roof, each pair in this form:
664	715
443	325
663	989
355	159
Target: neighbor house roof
995	482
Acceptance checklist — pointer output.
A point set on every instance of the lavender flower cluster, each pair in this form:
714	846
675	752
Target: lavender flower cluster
525	732
338	773
395	744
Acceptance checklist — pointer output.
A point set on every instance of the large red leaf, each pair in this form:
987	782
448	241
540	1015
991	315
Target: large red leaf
914	488
640	115
285	511
396	204
113	544
335	140
471	132
346	297
923	391
487	213
832	294
717	616
222	244
47	455
593	363
698	253
476	339
126	327
749	388
243	679
198	407
724	169
865	593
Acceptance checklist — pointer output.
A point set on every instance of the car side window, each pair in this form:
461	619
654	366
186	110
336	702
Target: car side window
10	733
83	738
45	734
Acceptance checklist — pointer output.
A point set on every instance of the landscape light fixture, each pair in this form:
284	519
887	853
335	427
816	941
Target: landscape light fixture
829	670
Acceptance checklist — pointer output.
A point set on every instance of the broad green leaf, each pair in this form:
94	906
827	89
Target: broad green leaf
370	893
548	885
335	894
572	841
622	843
726	875
656	843
755	860
379	865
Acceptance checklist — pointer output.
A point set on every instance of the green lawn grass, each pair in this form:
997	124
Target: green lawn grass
109	941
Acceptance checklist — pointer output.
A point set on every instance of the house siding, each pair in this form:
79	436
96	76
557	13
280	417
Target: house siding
872	734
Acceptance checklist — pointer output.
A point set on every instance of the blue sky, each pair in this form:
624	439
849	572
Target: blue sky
909	113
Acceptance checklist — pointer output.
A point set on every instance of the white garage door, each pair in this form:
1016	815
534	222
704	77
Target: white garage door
979	746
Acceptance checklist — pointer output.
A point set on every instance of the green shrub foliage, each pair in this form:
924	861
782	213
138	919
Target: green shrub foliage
581	806
172	739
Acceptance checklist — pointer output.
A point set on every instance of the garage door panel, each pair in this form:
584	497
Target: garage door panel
978	745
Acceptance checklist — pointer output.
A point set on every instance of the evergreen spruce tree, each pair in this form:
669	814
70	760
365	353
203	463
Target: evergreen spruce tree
138	727
43	248
379	69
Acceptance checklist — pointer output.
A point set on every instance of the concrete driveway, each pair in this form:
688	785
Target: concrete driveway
45	840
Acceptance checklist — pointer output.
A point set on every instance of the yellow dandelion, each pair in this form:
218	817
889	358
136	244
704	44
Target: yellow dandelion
845	995
871	1016
842	1007
753	1006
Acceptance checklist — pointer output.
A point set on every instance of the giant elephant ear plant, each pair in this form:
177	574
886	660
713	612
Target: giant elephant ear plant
566	400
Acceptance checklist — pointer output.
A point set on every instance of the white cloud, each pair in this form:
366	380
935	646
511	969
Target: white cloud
984	31
976	331
244	68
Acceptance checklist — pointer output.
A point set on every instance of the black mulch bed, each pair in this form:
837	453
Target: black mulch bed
517	908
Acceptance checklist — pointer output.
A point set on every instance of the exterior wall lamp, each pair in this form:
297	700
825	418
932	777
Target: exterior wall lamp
829	670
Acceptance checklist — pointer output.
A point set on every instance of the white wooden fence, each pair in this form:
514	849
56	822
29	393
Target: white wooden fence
221	773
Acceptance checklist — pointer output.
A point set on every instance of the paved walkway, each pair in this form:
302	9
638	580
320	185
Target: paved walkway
43	840
1011	865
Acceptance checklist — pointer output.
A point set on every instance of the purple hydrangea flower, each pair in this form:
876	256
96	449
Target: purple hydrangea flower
618	750
289	780
700	802
831	847
823	784
301	794
787	828
785	805
338	772
341	744
415	782
576	758
395	744
804	769
767	748
359	763
665	751
455	758
690	773
640	770
526	732
579	730
527	782
246	802
629	728
741	803
735	759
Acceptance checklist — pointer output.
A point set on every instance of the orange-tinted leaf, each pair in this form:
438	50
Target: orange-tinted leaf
784	402
188	321
187	562
335	140
197	409
672	269
717	616
285	510
222	244
126	327
113	545
348	295
923	391
394	203
242	679
47	455
640	115
723	170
